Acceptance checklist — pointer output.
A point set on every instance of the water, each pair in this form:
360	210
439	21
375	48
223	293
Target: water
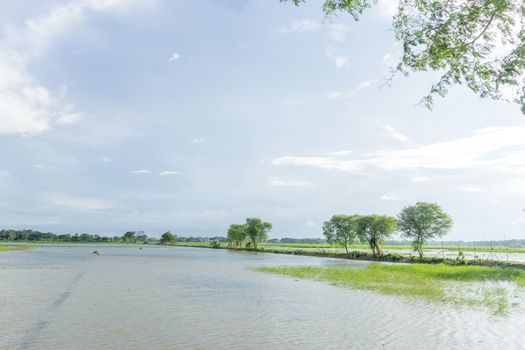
64	297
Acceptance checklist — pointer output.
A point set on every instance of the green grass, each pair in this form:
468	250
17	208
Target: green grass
194	244
5	247
467	248
470	285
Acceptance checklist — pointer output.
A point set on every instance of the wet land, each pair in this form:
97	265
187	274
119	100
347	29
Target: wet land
179	297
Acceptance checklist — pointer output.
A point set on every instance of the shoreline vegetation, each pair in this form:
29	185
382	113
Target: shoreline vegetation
392	257
11	247
357	252
496	289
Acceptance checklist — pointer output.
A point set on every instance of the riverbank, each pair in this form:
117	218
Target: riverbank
361	255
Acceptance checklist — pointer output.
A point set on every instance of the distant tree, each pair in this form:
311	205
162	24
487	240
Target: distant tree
215	243
237	235
257	231
168	238
373	229
341	230
142	237
422	222
129	236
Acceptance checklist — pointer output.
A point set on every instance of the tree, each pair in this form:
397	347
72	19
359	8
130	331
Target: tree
422	222
129	236
168	238
477	43
373	229
340	229
257	231
237	235
142	237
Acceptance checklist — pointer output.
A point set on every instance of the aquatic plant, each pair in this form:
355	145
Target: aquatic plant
466	285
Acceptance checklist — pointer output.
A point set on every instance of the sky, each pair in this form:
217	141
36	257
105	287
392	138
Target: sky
189	116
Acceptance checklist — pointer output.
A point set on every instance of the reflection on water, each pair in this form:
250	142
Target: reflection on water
64	297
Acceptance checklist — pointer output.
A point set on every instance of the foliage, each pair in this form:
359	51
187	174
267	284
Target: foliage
37	236
341	230
257	231
373	229
237	235
215	244
422	222
420	280
477	43
168	238
129	236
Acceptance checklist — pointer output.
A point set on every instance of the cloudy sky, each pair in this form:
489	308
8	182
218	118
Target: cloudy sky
191	115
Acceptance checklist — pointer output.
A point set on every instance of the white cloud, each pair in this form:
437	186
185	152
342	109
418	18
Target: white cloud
342	94
141	171
198	140
343	153
335	31
26	106
106	159
169	173
4	173
66	200
338	60
388	8
366	84
278	182
396	135
477	151
338	31
38	166
174	56
309	223
469	189
419	179
300	26
390	196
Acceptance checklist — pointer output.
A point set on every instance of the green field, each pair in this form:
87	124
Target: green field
408	248
467	285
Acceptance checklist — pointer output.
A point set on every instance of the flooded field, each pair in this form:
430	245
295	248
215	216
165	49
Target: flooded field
64	297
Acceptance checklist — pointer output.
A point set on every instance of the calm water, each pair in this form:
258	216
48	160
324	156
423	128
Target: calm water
64	297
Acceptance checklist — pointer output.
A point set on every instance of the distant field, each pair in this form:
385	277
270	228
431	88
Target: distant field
497	249
468	248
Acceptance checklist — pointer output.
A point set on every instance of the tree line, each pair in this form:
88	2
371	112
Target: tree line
250	234
419	223
31	235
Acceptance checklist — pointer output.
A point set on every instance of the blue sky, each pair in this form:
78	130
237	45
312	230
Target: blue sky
189	116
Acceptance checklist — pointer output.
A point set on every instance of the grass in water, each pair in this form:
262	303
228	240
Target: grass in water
5	248
468	285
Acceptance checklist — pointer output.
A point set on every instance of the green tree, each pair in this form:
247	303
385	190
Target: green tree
257	231
373	229
422	222
237	235
142	237
168	238
341	230
129	236
476	43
